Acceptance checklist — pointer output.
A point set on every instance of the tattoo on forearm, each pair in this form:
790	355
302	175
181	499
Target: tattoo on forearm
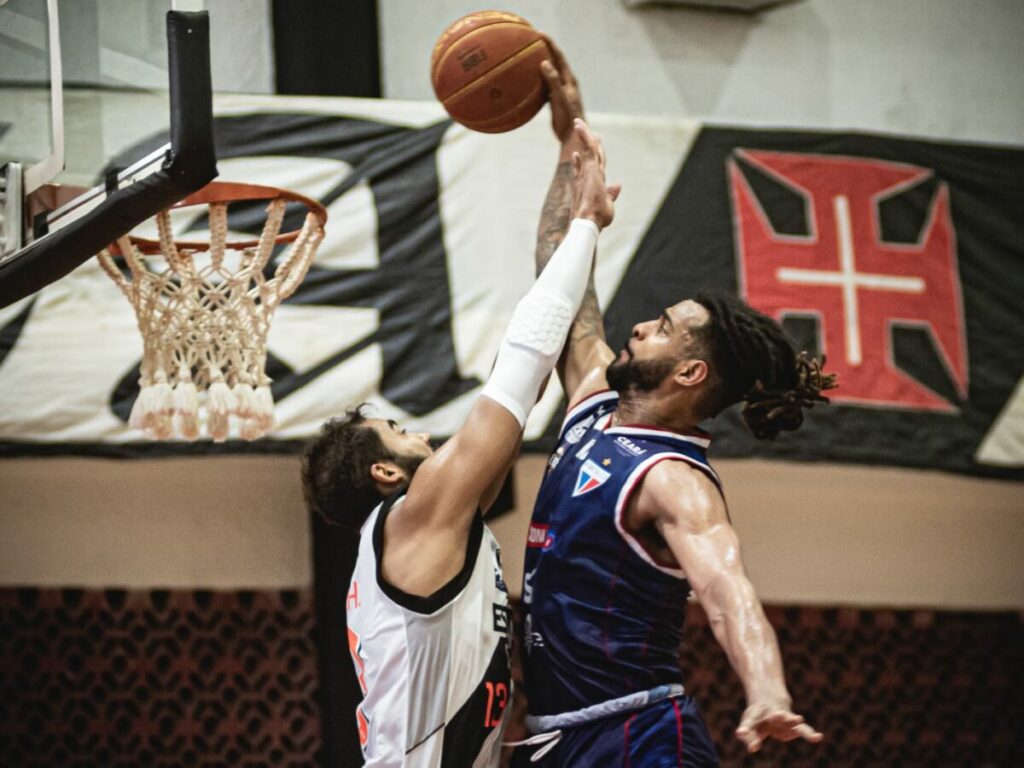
589	322
588	325
554	218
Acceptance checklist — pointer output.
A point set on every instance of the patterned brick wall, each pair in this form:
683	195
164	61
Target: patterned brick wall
887	688
156	678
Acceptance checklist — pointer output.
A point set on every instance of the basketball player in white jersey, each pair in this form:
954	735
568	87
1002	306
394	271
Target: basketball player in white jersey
428	617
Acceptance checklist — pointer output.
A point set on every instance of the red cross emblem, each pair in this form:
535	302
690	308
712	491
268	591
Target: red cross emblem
843	273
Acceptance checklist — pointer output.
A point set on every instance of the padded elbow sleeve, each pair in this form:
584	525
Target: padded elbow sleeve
530	350
540	323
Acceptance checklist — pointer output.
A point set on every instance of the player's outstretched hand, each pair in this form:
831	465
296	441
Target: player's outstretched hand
563	92
592	197
773	721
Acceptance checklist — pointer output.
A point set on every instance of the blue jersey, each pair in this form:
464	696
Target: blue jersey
602	618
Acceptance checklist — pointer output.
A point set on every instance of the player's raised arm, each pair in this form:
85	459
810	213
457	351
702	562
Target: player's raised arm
689	512
586	353
449	486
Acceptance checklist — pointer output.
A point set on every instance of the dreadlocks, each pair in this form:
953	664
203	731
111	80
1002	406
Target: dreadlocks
754	361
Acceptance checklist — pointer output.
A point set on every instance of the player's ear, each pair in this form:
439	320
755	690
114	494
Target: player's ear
387	475
690	372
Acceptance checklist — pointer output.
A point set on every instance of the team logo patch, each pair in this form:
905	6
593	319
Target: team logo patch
538	537
583	452
499	581
502	618
576	434
590	477
556	457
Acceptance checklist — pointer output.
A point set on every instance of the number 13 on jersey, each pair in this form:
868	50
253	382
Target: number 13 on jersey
497	698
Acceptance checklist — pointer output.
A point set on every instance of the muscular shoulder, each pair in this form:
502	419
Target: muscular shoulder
678	494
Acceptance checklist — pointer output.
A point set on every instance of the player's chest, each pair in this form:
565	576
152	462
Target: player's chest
588	475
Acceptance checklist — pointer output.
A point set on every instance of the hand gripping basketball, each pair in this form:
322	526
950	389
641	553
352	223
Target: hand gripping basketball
592	198
563	93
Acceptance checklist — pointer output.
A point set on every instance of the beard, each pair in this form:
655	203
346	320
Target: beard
637	375
409	464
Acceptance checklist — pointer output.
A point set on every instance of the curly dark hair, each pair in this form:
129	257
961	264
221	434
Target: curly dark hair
336	465
753	360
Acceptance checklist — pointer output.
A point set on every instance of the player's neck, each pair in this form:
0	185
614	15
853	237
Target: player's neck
650	409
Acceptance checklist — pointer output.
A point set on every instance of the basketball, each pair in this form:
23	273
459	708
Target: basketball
485	70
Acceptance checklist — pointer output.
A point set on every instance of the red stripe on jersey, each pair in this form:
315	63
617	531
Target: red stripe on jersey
679	730
364	726
626	729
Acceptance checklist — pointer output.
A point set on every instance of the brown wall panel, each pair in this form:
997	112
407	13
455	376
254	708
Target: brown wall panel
812	533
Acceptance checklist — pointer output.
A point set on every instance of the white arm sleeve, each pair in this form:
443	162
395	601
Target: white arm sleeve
540	322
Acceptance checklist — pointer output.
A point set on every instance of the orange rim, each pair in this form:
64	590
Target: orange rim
231	192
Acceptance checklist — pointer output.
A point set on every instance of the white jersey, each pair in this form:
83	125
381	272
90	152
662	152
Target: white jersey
434	670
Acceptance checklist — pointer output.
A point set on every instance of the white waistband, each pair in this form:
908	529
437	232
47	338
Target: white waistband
541	723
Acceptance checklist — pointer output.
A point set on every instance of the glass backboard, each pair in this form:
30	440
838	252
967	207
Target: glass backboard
71	72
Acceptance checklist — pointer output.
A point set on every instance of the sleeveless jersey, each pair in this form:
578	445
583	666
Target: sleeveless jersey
602	619
434	670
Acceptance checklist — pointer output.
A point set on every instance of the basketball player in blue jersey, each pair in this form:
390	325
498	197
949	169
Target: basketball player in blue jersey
427	610
631	517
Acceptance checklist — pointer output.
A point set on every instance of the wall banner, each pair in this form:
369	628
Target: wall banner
901	260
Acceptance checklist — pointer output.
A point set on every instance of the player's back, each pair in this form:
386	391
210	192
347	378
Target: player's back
603	619
434	670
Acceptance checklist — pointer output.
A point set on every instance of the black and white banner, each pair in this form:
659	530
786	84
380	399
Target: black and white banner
901	260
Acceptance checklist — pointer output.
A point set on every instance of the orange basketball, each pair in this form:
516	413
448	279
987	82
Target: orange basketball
486	71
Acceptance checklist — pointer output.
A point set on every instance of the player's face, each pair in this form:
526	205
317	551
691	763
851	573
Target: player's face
413	445
656	347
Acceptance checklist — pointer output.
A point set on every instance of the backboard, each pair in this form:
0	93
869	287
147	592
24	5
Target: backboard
66	68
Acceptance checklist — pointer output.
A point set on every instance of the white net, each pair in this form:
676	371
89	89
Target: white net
204	317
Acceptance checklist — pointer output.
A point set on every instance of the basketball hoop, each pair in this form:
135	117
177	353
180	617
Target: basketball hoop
204	309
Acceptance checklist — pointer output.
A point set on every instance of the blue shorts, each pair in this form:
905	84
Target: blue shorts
668	734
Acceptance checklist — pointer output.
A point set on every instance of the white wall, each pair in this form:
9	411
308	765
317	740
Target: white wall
940	68
123	43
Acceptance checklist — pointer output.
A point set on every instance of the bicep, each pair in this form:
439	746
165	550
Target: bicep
490	494
690	515
450	486
710	558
